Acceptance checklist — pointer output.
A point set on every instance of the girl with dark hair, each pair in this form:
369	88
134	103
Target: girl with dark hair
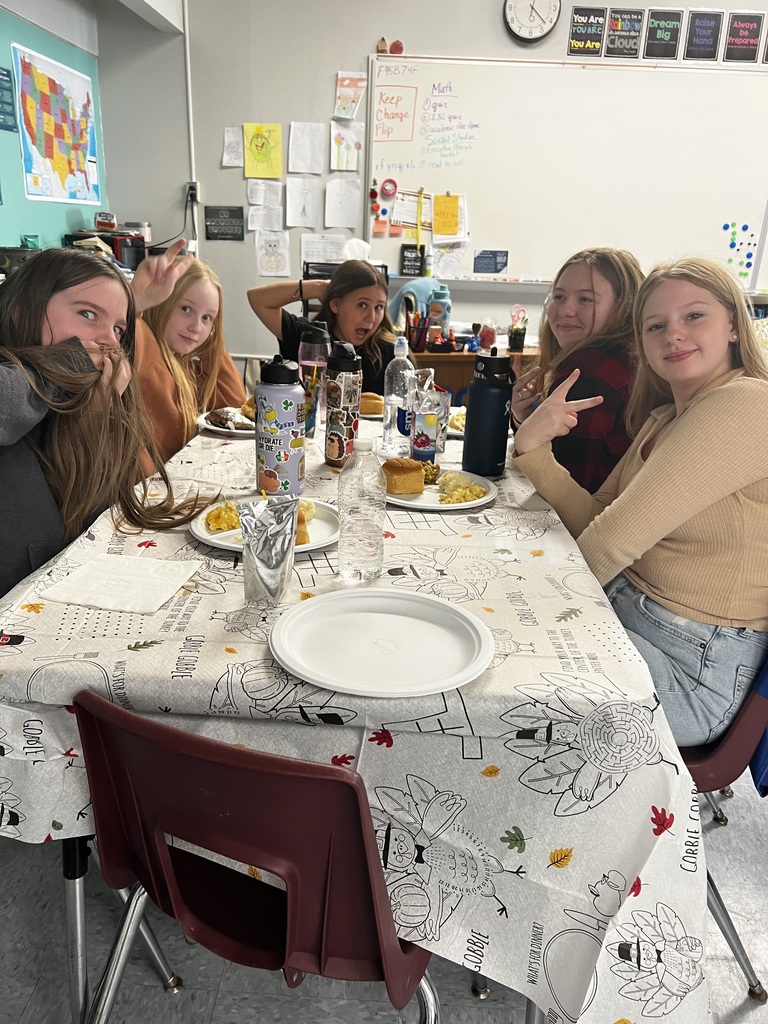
587	323
73	440
353	304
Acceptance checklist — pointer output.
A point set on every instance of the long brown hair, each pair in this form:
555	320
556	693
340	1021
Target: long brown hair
649	391
91	448
622	272
350	276
182	368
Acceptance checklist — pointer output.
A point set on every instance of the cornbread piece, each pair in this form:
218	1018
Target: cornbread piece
223	517
371	404
302	533
308	507
248	408
458	420
404	476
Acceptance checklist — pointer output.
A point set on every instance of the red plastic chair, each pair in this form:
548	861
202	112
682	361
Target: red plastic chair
307	823
715	766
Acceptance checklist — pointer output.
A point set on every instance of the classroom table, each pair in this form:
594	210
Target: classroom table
453	370
539	824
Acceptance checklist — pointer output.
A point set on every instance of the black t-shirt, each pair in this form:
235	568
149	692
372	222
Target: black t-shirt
373	377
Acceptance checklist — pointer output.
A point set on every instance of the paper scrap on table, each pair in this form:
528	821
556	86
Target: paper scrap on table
264	193
347	145
123	583
306	147
263	150
322	248
272	253
232	156
265	218
342	203
350	86
303	202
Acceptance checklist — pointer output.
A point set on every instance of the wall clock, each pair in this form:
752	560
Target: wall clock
528	21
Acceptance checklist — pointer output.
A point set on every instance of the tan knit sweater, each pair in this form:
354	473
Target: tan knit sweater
689	526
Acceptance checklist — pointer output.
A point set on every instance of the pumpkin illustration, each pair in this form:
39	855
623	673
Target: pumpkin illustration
410	904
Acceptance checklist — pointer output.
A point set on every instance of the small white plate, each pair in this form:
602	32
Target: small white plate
380	643
323	530
459	434
429	499
203	424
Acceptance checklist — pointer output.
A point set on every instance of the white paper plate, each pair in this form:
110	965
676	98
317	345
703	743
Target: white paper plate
459	434
323	530
203	424
379	643
429	499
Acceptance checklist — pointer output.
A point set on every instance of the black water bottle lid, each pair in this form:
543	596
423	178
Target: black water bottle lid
343	358
490	364
315	332
280	371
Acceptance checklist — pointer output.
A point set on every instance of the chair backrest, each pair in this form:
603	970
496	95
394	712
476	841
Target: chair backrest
718	764
307	823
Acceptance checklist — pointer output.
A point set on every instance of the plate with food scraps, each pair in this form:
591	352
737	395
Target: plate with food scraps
240	426
456	421
386	635
323	529
429	499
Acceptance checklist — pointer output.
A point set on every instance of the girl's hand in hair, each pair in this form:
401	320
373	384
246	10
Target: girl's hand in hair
555	417
525	393
113	364
156	276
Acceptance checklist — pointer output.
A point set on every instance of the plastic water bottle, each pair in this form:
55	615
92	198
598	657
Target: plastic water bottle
362	502
399	381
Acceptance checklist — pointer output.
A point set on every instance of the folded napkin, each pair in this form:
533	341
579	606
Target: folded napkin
123	583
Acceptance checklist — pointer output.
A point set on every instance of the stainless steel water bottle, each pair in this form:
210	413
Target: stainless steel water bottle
489	402
280	428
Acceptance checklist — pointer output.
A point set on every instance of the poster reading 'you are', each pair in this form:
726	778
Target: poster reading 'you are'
585	35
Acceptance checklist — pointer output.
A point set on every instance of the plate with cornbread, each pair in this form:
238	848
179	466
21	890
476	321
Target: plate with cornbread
429	488
219	526
230	421
371	406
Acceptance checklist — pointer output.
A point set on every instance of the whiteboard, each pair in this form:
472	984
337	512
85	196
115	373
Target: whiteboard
553	158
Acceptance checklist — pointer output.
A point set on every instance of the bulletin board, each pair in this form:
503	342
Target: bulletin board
553	158
19	215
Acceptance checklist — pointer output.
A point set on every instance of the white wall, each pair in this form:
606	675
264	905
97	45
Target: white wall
71	20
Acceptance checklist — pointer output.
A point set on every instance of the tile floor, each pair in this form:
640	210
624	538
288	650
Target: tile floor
33	953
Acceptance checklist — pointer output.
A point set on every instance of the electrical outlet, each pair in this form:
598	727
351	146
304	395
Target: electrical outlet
193	191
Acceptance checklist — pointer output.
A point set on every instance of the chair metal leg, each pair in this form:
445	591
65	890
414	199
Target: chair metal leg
171	981
429	1004
480	989
533	1015
106	991
723	919
74	862
717	814
727	791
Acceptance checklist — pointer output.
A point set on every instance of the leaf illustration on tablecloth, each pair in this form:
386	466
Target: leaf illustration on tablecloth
567	614
56	826
382	737
661	821
34	608
560	858
491	772
142	645
514	839
342	760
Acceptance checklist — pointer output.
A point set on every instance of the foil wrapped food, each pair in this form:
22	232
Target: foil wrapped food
269	535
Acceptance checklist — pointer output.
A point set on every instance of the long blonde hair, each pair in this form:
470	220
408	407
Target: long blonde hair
622	272
182	368
91	448
649	391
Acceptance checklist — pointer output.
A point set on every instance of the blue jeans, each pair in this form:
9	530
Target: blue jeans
702	673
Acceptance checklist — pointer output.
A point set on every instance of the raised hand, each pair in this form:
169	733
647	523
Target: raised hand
555	417
525	394
156	276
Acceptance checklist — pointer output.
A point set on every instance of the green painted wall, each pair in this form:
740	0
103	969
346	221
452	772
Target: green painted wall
19	215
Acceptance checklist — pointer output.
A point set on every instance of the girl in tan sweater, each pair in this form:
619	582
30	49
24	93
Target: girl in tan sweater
677	533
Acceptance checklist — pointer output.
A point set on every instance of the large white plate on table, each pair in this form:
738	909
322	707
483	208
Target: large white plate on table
429	499
203	424
459	434
380	643
323	530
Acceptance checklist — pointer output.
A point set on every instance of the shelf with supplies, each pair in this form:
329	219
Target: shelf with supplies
474	284
453	370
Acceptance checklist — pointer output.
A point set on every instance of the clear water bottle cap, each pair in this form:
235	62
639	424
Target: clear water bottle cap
401	347
363	444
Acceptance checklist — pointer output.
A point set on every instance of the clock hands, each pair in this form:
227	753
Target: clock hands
533	8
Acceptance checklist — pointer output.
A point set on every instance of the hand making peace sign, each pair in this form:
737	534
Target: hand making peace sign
555	417
156	276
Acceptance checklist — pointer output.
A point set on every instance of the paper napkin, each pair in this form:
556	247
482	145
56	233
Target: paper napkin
123	583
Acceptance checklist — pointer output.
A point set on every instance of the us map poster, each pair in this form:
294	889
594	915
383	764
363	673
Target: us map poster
57	129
